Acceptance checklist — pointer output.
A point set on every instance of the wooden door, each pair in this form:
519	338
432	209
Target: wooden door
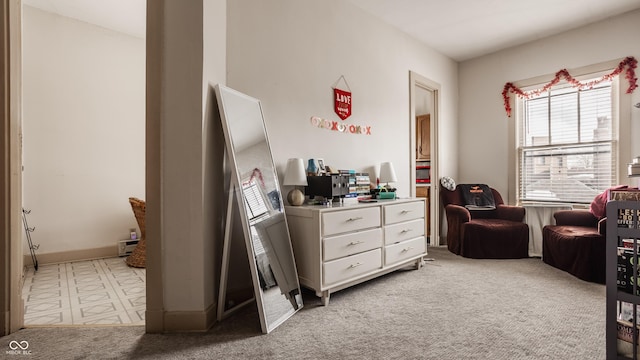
423	137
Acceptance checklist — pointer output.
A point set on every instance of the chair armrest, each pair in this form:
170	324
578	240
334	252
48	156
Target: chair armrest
510	212
458	213
575	218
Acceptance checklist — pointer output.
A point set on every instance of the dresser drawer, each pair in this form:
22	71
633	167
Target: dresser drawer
403	212
403	231
403	250
350	267
348	244
337	222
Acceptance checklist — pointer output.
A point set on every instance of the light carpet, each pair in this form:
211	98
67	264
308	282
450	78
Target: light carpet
452	308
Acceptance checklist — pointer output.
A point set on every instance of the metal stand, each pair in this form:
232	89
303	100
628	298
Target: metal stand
28	230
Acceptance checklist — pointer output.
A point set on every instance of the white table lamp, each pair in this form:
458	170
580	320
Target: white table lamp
295	175
387	173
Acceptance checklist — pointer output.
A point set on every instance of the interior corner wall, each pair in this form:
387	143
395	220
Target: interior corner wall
192	54
290	53
83	118
483	130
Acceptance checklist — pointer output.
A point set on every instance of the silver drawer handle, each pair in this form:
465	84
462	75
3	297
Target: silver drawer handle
355	218
407	249
355	265
356	242
405	211
406	231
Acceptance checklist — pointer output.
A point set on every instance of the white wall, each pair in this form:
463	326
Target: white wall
483	121
84	91
289	54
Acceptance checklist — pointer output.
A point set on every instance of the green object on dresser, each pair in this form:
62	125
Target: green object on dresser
387	195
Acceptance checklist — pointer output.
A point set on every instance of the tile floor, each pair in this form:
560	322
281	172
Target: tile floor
104	291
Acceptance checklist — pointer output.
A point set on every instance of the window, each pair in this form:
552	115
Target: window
254	201
567	145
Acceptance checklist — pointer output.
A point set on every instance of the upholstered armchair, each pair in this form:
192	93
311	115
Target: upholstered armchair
576	244
499	233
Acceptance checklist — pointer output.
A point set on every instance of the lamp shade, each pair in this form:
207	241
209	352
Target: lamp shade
387	173
295	173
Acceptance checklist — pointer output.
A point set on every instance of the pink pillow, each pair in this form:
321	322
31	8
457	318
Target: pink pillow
598	206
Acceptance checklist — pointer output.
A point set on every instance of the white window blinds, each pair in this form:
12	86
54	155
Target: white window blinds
567	145
254	200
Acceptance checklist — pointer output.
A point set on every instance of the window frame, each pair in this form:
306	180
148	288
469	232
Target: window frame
558	147
621	122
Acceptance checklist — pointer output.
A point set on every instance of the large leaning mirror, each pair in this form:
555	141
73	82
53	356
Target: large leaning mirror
256	190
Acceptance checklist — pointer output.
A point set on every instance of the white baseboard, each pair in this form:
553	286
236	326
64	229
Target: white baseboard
73	255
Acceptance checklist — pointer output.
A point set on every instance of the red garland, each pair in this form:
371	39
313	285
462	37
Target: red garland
630	62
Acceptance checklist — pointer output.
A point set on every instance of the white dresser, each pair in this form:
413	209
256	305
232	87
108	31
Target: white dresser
340	246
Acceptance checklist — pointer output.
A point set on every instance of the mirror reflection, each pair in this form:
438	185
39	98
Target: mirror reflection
274	274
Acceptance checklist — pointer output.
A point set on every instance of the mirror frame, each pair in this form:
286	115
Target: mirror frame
235	192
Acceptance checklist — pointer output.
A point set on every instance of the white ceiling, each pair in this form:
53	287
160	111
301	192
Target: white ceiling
460	29
127	16
464	29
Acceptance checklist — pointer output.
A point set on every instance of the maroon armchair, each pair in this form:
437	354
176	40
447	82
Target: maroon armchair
485	234
576	244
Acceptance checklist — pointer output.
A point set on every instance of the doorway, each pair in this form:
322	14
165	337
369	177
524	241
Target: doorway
11	161
424	115
83	103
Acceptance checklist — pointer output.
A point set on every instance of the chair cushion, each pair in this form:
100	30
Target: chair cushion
477	196
598	206
494	225
448	183
574	233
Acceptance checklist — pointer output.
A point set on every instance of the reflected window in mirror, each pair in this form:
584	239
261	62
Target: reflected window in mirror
255	200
